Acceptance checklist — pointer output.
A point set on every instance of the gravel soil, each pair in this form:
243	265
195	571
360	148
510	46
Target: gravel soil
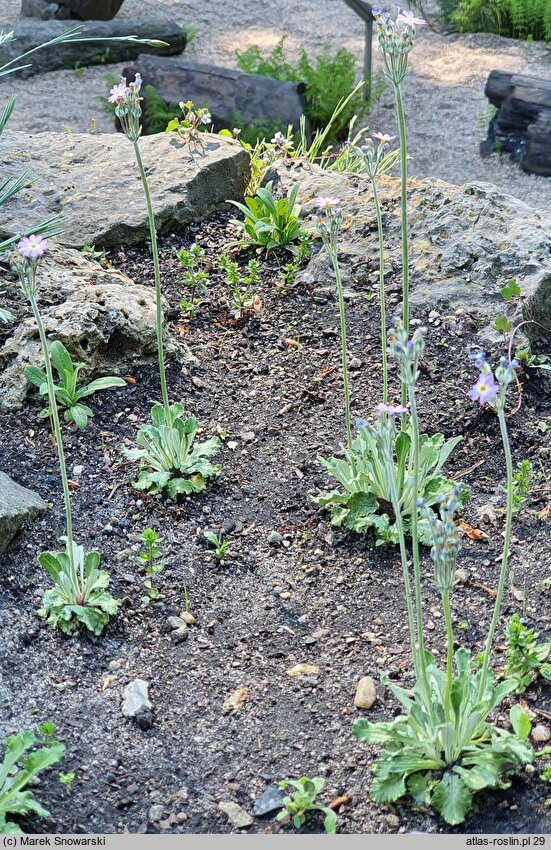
270	386
444	93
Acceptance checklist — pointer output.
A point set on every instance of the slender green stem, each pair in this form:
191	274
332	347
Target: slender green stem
415	517
340	294
157	269
52	401
449	664
403	203
394	498
506	544
381	288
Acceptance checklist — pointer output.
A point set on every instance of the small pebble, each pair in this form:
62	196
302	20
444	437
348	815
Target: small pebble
541	734
366	693
275	538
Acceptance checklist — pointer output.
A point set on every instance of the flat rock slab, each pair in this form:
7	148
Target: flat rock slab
17	505
30	34
93	181
466	242
233	98
105	320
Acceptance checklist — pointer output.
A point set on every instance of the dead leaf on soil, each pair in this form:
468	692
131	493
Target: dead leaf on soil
292	343
483	587
544	513
472	533
303	670
73	485
236	700
325	372
338	802
129	380
109	681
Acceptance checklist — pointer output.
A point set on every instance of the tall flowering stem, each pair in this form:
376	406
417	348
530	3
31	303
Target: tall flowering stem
25	261
408	354
330	216
491	389
128	110
396	37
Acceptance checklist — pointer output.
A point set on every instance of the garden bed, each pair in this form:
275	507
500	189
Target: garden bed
270	387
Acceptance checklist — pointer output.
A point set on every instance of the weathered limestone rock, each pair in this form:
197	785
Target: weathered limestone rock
80	10
17	505
30	34
104	319
466	242
137	705
94	182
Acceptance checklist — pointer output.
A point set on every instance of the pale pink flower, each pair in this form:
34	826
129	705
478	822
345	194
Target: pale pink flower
118	92
384	138
485	389
31	247
409	19
327	203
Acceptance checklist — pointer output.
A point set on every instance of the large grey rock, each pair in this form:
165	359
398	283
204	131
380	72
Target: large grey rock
104	319
17	505
94	182
233	98
466	243
31	34
80	10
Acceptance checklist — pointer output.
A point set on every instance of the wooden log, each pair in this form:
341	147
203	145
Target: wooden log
229	95
522	124
31	33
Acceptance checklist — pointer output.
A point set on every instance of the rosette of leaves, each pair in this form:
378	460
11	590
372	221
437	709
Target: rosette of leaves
365	501
303	800
270	223
68	395
442	754
169	458
79	595
25	756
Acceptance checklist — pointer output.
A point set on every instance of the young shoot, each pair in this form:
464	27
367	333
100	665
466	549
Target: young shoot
302	800
194	277
240	286
220	548
151	559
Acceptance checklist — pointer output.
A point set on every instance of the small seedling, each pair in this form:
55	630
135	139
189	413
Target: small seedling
303	800
502	324
67	779
95	254
526	658
242	296
187	605
510	290
521	483
194	277
220	548
151	558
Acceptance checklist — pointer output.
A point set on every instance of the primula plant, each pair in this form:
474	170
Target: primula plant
168	458
442	749
67	392
26	755
302	800
79	595
270	223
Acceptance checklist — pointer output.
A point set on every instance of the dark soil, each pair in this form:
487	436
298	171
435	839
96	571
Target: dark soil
271	387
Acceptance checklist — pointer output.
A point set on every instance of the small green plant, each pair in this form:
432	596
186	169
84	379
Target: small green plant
526	19
521	483
67	779
526	658
270	223
510	290
67	394
241	287
190	127
25	756
151	557
169	460
532	361
303	800
194	277
220	547
364	473
502	324
94	254
79	595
